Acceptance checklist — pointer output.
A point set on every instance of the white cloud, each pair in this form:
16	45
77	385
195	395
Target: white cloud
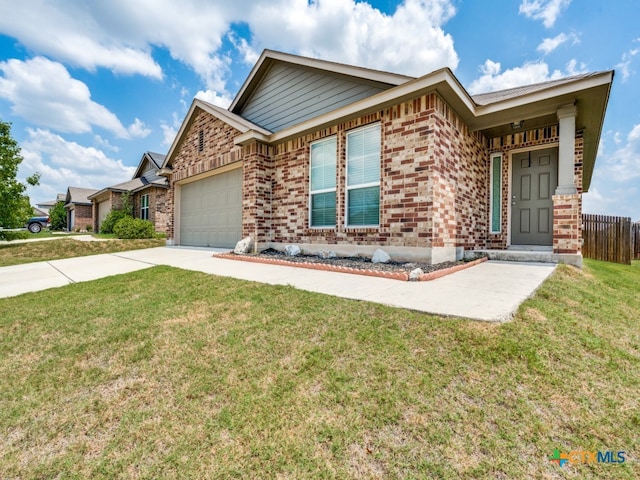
411	41
120	34
623	164
493	78
214	98
63	164
76	33
169	132
625	64
138	129
104	143
546	10
44	93
548	45
615	186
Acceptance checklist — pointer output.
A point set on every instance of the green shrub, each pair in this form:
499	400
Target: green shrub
113	217
9	235
128	227
89	228
58	217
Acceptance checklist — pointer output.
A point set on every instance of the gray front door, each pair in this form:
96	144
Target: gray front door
535	178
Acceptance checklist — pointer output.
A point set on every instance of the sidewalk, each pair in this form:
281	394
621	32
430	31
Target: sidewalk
490	291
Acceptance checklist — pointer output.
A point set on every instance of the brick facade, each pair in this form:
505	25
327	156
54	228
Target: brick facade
218	150
158	207
82	217
434	182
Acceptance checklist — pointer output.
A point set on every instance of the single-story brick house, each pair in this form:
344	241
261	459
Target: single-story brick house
148	190
331	156
79	211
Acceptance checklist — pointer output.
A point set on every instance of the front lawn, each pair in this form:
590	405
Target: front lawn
18	253
165	373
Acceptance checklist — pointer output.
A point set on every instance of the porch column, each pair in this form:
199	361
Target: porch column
567	202
566	160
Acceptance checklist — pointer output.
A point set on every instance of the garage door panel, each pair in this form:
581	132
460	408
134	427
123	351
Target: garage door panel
211	211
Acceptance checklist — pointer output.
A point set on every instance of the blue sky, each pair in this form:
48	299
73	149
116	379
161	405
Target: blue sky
91	86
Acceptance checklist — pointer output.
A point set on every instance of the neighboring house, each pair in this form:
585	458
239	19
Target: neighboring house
39	212
330	156
79	211
46	206
148	190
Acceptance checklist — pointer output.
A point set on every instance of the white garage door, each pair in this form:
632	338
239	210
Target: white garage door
211	211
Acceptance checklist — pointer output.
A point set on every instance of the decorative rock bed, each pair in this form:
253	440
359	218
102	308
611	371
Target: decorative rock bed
356	265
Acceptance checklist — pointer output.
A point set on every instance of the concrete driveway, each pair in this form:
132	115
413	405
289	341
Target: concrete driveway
490	291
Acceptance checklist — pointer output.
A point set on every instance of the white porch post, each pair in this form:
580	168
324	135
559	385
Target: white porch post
566	160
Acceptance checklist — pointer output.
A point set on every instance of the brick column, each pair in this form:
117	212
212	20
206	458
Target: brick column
257	176
567	223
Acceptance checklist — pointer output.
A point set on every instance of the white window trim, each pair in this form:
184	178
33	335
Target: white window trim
323	190
491	180
357	187
142	207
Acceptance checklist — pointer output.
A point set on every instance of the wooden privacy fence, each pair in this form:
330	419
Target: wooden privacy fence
608	238
635	240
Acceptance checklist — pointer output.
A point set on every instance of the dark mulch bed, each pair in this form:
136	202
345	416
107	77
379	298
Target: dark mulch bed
360	263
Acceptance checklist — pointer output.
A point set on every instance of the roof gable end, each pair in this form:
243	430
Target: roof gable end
284	89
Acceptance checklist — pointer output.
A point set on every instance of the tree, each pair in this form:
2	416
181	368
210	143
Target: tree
58	217
15	207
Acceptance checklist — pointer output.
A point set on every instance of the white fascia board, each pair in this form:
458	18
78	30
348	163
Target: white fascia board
541	95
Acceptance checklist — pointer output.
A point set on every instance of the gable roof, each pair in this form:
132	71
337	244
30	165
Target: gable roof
155	159
78	196
269	58
60	197
236	121
139	181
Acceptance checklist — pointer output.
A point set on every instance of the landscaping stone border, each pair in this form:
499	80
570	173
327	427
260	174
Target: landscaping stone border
403	276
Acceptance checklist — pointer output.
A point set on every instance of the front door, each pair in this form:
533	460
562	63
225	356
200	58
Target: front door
534	181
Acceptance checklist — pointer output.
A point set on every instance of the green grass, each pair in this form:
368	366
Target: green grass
18	253
165	373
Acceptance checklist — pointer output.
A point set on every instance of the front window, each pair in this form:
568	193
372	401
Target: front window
363	177
323	183
144	207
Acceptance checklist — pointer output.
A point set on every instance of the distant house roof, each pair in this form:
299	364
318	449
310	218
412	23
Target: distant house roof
140	181
51	203
156	159
78	196
39	213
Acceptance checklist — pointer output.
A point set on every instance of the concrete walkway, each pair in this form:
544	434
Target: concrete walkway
490	291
